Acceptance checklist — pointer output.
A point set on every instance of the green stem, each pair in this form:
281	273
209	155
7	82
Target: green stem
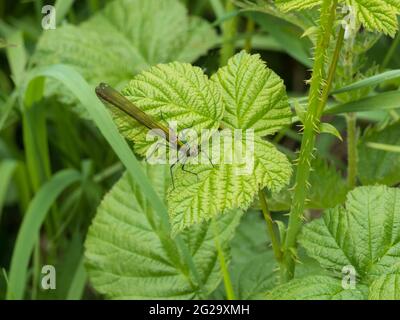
229	29
222	262
311	127
352	156
391	51
249	35
276	247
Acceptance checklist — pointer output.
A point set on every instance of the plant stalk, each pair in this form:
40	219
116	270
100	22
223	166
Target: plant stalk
222	262
319	92
229	29
391	51
352	154
276	247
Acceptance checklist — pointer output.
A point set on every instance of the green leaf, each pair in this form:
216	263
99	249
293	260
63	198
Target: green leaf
172	92
379	166
370	81
385	288
125	38
289	5
375	15
203	191
253	265
381	101
325	127
378	15
7	169
315	288
285	34
320	195
255	97
256	277
129	257
364	234
27	234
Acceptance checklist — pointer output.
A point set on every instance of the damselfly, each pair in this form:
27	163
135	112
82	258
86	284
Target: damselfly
185	150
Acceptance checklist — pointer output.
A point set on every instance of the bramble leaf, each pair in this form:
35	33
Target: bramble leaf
130	257
125	38
315	288
385	287
253	267
203	191
175	92
320	196
289	5
375	15
255	97
378	15
364	233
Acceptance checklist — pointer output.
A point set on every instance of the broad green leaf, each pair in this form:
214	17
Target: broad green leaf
253	267
255	97
375	15
363	234
251	238
129	257
323	179
385	288
325	127
379	166
125	38
378	15
289	5
203	191
253	264
175	92
256	277
315	288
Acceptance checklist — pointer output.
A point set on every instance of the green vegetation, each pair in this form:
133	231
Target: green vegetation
303	204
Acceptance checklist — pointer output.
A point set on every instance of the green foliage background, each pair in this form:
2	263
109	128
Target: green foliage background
75	192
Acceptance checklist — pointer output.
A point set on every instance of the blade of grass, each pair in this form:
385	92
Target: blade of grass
370	81
218	8
62	7
32	222
7	108
16	55
78	283
381	101
383	147
7	169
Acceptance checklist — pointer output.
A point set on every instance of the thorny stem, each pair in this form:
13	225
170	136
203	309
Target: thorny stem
319	91
270	227
352	154
249	31
229	29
